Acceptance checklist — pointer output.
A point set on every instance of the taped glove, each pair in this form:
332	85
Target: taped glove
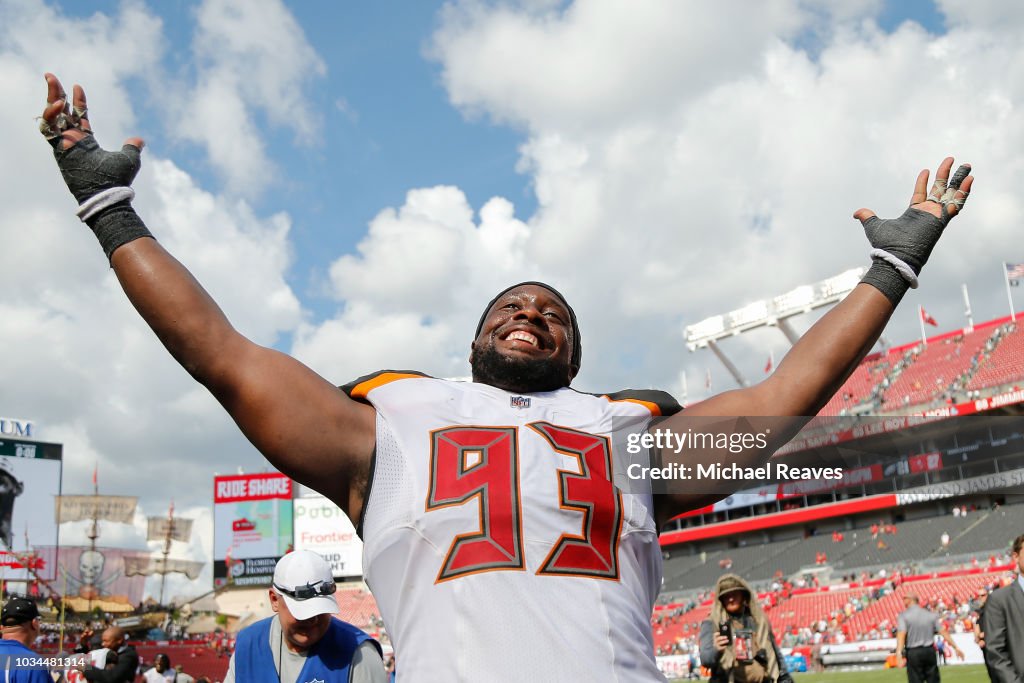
100	180
901	246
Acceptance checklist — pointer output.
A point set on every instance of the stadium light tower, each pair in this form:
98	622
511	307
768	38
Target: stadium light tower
773	312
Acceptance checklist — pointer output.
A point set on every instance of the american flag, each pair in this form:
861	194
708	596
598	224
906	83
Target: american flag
1014	271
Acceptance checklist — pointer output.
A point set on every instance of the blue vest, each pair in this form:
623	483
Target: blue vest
329	660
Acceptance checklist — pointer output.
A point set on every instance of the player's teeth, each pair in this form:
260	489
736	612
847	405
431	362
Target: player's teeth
523	336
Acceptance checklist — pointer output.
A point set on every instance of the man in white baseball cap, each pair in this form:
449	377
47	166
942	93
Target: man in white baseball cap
303	641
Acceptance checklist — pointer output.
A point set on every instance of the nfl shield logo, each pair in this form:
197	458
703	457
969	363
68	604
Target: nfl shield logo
519	401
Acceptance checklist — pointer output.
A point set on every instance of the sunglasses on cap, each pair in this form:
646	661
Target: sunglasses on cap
310	590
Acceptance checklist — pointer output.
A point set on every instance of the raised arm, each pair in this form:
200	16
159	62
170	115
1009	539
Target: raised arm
824	357
820	362
301	423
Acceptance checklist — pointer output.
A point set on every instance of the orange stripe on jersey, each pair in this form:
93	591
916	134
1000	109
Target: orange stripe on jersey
360	390
653	407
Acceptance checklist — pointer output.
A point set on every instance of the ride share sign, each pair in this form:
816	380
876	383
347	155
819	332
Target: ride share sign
252	527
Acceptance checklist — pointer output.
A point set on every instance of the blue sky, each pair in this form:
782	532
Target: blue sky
388	126
353	181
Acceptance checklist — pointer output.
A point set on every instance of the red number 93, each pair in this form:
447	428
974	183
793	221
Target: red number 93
481	464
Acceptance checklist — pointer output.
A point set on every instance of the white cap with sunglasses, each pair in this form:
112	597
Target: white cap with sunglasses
303	578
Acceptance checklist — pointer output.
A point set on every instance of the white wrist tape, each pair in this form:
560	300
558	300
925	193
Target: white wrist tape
96	203
900	265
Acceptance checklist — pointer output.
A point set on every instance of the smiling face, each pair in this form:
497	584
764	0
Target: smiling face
525	344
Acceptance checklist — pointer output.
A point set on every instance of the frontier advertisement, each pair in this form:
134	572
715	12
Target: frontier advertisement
30	474
252	527
322	527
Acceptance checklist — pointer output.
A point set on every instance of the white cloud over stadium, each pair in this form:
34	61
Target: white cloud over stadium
685	161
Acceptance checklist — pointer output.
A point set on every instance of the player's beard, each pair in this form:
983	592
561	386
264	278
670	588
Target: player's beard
516	374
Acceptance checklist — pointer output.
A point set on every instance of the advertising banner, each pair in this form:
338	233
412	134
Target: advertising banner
103	508
30	474
322	527
252	527
96	575
147	566
160	528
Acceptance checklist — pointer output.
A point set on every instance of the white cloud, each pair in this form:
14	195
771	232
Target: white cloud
595	64
986	15
680	173
406	300
252	59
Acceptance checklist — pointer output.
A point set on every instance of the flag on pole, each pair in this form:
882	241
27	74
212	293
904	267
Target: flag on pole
95	475
770	365
1014	273
925	317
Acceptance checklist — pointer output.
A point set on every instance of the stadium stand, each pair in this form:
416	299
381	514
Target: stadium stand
915	540
703	570
860	386
992	534
849	613
1003	365
357	606
981	532
935	369
950	365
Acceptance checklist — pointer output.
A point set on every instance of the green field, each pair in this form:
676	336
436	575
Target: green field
950	674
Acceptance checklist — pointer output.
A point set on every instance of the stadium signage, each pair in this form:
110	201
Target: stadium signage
252	526
12	426
885	425
264	486
1003	480
1000	400
321	526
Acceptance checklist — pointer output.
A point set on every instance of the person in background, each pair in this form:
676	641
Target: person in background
1002	624
163	672
302	641
127	659
915	641
736	642
20	625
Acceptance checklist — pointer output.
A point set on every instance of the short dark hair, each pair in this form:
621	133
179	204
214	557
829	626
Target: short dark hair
1018	543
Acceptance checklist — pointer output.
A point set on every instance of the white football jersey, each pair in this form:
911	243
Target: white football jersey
495	542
